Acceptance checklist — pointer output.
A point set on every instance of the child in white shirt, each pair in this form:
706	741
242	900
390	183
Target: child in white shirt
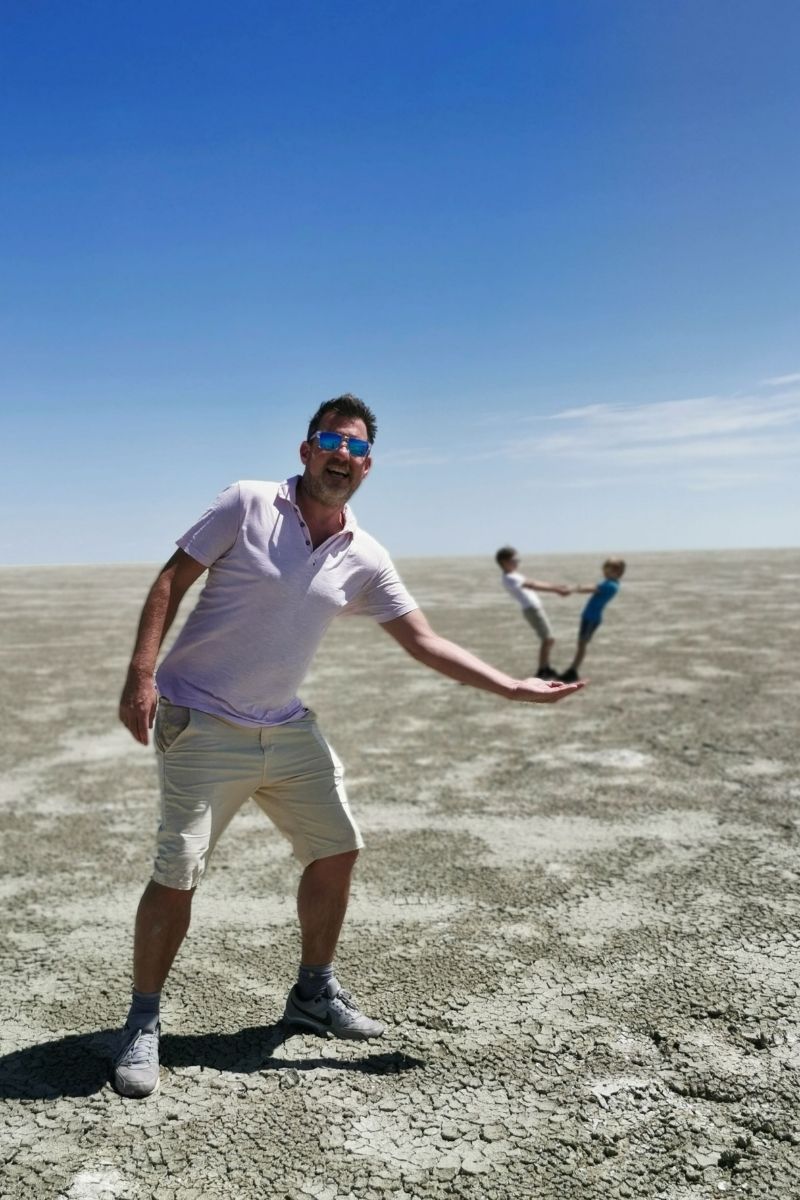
524	591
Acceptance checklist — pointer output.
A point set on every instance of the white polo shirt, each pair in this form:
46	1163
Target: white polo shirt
513	582
268	599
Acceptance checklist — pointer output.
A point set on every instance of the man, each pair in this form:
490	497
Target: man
283	561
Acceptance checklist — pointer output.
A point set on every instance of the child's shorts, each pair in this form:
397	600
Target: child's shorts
209	767
587	629
536	618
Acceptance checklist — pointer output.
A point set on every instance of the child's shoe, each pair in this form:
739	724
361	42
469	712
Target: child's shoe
569	676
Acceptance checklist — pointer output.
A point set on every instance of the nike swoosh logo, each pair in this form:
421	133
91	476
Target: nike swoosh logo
326	1020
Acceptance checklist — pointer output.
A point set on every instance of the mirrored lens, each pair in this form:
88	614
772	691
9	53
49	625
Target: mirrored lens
332	441
329	441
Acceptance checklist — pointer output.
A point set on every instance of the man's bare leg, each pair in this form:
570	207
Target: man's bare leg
322	903
321	906
162	920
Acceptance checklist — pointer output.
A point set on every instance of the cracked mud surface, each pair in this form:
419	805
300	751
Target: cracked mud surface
579	923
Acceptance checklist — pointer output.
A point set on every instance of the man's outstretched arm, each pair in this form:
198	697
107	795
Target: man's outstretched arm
137	705
416	637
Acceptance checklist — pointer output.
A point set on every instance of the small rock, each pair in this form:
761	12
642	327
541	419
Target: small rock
474	1166
703	1159
448	1167
290	1078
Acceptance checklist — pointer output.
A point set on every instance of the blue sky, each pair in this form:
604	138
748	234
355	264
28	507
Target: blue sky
555	245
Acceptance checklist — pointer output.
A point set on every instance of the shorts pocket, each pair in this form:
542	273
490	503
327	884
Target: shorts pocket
171	721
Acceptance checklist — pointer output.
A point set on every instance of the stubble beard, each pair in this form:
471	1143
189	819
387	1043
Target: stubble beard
328	495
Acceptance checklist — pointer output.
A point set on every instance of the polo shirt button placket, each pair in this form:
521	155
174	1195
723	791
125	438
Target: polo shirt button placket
304	527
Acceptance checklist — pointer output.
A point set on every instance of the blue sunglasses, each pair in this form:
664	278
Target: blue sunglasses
358	447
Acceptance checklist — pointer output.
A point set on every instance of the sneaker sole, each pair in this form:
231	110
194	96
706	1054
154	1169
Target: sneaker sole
307	1025
134	1095
325	1031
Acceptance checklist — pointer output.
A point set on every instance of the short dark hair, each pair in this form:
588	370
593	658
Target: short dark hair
347	405
504	554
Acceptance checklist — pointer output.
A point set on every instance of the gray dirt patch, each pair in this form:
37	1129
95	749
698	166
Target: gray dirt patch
579	923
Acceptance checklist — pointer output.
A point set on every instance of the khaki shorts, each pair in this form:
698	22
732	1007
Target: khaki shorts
209	767
536	618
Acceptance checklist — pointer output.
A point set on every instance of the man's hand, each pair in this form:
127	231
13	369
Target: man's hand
564	590
137	705
545	691
139	700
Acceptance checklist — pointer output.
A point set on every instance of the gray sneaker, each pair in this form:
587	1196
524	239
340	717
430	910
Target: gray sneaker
136	1065
333	1013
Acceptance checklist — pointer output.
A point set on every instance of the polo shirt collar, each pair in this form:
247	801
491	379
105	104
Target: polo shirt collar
288	491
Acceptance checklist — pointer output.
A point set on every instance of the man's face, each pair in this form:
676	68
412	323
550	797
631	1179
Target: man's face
332	476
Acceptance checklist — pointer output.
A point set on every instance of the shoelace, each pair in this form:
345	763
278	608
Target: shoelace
141	1050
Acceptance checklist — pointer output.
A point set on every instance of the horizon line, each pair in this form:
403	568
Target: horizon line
437	557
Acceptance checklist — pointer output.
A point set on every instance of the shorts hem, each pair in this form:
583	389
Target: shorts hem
307	860
182	886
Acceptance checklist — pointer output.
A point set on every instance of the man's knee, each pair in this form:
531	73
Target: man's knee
165	896
346	860
335	864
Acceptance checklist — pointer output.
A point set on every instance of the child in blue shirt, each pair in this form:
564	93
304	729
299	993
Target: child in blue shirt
592	615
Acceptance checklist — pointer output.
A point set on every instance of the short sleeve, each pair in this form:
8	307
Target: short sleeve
217	530
384	597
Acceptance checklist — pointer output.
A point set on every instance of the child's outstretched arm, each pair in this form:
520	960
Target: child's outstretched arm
585	591
537	585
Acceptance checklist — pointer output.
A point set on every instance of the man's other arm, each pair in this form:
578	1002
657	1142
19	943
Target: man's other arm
420	641
137	705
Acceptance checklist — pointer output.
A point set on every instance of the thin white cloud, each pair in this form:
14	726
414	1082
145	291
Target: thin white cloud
781	380
572	481
673	420
688	440
692	477
711	480
703	443
697	450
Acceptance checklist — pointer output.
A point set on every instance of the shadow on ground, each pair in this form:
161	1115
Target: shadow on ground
79	1065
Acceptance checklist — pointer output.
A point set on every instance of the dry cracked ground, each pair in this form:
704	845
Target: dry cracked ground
580	923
